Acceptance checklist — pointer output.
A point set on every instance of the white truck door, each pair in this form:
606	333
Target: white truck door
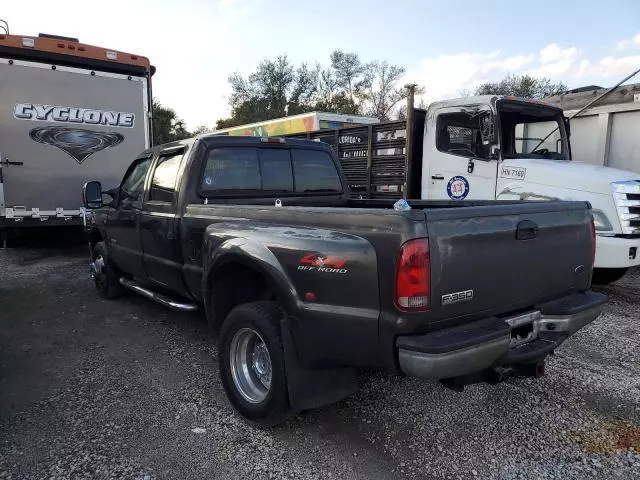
456	165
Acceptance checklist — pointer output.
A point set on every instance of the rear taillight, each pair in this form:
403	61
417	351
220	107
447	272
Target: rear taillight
413	287
593	243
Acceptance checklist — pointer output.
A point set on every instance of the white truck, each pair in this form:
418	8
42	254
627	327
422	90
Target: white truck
69	112
492	148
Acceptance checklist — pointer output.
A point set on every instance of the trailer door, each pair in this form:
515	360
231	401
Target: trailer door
61	127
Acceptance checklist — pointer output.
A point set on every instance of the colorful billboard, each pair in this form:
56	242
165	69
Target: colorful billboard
276	128
288	126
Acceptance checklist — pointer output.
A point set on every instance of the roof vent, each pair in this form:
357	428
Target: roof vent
58	37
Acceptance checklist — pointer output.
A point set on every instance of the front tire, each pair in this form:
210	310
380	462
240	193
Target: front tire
605	276
104	273
251	363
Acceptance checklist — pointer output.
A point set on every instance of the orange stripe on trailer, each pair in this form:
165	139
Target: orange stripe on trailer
74	49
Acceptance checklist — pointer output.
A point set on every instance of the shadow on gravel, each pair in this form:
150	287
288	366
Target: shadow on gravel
31	245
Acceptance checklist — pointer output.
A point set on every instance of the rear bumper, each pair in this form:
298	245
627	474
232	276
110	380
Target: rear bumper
617	252
493	342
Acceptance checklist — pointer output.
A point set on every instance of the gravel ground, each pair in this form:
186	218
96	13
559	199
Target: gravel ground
101	389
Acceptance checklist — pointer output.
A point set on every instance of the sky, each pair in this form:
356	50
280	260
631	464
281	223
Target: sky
447	47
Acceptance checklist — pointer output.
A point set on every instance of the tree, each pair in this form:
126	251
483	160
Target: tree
201	130
167	127
349	73
277	89
380	92
330	97
524	86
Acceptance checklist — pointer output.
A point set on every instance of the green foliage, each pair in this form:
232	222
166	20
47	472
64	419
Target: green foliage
524	86
167	127
277	88
201	130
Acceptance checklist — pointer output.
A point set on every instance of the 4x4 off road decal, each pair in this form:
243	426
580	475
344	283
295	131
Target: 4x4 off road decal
76	142
320	263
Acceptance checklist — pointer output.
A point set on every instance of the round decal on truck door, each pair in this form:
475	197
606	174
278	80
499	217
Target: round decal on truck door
458	188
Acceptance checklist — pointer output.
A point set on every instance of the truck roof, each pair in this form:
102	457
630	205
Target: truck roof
68	51
487	99
237	140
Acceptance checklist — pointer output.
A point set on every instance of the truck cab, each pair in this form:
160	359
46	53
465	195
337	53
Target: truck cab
508	148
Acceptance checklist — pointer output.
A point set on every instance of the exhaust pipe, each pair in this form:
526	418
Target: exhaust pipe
535	370
156	297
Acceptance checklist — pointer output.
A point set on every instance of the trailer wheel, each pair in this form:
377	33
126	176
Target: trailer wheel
251	363
605	276
104	273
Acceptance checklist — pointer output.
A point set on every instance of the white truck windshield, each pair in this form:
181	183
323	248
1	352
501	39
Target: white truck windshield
524	128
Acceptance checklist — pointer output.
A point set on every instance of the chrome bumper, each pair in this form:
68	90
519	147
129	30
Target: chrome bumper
547	332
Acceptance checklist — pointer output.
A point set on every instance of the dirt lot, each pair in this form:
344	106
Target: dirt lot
100	389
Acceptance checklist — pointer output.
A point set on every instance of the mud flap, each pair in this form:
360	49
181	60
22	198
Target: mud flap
313	388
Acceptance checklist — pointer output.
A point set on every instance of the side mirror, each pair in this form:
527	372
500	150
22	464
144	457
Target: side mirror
488	129
92	195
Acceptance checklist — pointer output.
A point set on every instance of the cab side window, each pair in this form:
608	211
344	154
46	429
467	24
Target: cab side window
459	134
165	176
133	182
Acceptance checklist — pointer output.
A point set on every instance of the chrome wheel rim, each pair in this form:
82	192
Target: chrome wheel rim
250	365
97	270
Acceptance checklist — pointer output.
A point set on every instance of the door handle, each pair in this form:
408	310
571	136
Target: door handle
526	230
437	177
6	163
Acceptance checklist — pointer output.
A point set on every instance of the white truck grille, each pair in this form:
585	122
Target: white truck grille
627	199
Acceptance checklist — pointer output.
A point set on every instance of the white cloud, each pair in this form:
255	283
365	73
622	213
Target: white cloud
552	53
628	42
514	63
554	69
234	8
446	76
609	67
554	61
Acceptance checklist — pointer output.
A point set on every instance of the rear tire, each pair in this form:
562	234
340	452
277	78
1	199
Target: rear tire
605	276
105	275
252	365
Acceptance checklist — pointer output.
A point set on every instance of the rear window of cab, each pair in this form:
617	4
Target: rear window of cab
255	170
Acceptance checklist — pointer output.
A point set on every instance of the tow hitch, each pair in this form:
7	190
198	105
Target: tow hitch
495	375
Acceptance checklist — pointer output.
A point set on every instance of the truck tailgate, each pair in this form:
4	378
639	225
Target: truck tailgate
499	258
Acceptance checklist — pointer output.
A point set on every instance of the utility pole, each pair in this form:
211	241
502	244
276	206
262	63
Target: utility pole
411	92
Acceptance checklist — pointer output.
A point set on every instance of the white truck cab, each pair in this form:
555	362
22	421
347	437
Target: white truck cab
499	148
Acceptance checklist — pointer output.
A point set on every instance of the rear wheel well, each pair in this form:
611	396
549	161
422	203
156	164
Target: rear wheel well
234	284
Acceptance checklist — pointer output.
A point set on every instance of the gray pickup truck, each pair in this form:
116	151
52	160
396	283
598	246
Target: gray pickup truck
305	285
